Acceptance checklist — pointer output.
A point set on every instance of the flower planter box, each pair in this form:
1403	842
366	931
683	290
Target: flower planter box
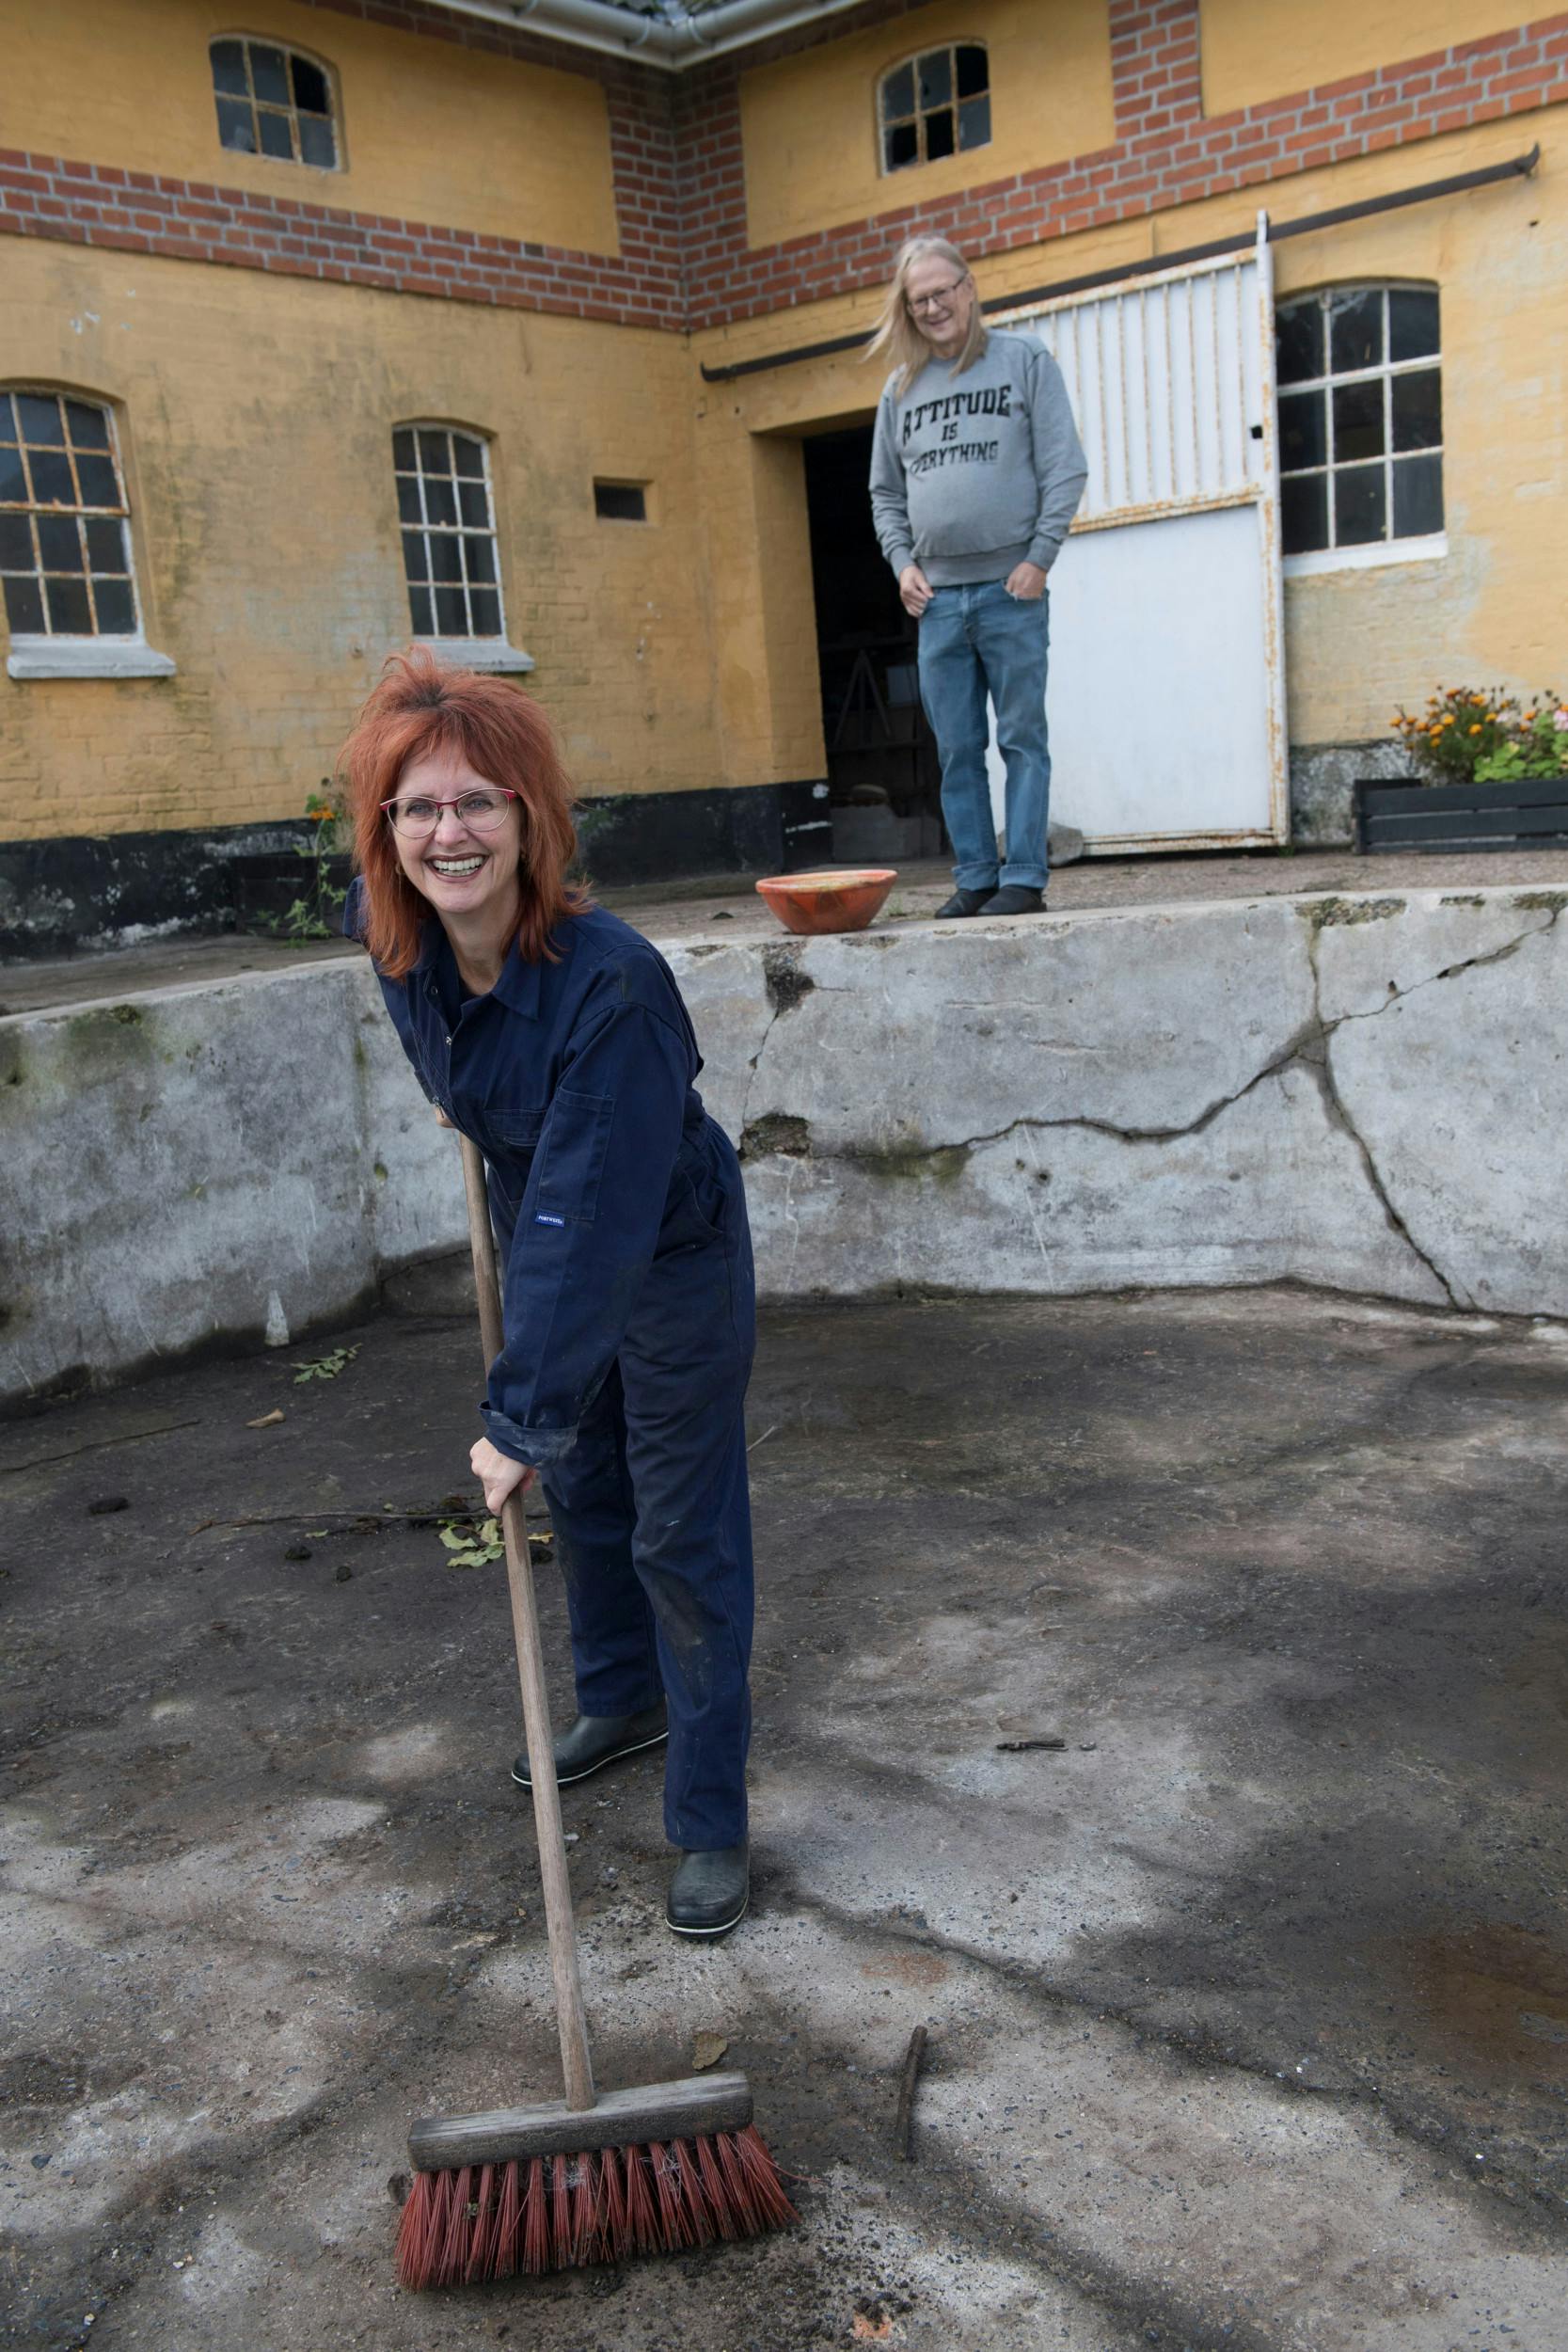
1530	814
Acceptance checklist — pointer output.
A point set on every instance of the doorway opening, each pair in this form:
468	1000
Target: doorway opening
883	778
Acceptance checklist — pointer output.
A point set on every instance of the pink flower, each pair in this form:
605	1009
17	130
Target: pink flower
1560	720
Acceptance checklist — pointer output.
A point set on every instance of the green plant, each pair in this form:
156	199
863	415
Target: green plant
1465	735
471	1544
323	1367
312	913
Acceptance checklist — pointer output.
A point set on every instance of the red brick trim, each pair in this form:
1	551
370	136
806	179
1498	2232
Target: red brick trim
680	187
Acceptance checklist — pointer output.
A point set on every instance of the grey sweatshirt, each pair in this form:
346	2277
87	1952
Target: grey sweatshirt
972	475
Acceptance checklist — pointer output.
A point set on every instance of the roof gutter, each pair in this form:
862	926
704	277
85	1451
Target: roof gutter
671	43
1517	167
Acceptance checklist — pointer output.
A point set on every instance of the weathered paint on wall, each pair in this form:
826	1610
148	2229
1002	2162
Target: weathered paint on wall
431	131
275	579
809	122
1253	52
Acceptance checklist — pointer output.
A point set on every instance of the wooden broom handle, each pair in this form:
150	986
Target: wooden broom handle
576	2067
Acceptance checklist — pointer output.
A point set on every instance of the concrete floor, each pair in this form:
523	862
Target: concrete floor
711	906
1248	2004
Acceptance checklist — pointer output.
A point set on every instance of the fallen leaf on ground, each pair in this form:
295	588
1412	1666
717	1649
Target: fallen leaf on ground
868	2330
707	2049
266	1421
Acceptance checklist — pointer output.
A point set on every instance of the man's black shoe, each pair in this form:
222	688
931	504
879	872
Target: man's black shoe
961	902
594	1740
710	1891
1015	899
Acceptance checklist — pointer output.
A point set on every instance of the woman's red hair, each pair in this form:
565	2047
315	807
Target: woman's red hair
418	707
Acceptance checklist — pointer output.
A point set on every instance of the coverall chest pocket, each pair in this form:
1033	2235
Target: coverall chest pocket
576	1143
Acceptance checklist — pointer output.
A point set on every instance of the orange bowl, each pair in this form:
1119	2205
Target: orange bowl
845	900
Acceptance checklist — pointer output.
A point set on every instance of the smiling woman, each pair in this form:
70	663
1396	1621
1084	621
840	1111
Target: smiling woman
554	1037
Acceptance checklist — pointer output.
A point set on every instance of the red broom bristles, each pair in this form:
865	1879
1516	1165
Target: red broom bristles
486	2221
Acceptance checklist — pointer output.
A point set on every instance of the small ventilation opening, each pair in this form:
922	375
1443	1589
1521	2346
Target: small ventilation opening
620	501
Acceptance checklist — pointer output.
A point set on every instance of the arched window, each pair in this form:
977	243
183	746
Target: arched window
938	103
274	102
448	531
1360	396
65	539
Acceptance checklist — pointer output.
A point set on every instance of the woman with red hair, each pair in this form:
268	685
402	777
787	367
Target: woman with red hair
555	1036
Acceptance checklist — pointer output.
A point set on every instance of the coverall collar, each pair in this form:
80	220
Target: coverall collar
519	983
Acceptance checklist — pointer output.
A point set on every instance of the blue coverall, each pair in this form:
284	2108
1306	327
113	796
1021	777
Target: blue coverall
629	1309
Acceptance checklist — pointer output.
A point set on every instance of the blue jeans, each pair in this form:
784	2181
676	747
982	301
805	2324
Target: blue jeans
974	640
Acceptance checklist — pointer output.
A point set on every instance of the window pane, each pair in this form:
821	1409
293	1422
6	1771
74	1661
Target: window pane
435	454
229	67
59	544
408	499
41	422
106	547
446	557
310	87
1417	496
12	487
97	478
269	74
419	611
70	614
1298	339
440	500
898	94
52	483
414	565
480	557
236	126
974	123
276	138
475	506
8	418
467	456
971	71
1303	431
89	427
1417	402
939	135
936	78
317	144
16	544
1304	513
403	451
1356	329
901	146
1412	324
487	612
25	605
117	610
1357	420
452	614
1359	506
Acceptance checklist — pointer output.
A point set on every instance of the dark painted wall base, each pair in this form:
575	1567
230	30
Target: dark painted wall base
57	898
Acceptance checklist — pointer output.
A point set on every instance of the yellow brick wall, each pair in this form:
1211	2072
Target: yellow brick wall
257	417
431	131
1255	50
809	127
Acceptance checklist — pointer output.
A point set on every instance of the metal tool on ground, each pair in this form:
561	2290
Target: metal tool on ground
585	2178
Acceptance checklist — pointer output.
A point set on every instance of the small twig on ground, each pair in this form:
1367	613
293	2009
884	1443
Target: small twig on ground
1027	1747
763	1439
431	1513
96	1445
913	2057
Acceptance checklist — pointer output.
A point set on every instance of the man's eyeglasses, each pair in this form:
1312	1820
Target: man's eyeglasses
929	301
482	810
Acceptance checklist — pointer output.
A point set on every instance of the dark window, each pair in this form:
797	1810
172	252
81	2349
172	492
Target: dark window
1360	417
273	101
65	539
935	105
619	501
448	531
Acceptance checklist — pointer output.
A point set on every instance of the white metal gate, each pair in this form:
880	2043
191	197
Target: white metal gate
1166	695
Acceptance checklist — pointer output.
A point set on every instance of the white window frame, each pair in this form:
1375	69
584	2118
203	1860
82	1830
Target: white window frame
49	653
921	114
1365	554
466	650
289	50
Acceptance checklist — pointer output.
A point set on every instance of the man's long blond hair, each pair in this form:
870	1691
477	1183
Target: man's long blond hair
898	339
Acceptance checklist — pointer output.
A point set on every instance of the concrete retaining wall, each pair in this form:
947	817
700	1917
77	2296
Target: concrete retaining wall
1367	1093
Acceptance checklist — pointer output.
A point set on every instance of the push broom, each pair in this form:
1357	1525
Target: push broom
585	2178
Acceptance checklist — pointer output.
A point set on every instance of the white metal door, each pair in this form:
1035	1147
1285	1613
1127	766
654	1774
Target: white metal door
1166	696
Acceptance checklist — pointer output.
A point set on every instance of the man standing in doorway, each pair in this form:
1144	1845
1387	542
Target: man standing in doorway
977	473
